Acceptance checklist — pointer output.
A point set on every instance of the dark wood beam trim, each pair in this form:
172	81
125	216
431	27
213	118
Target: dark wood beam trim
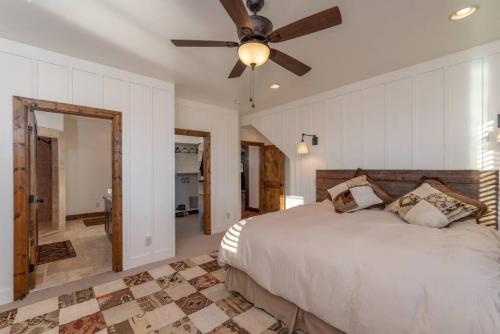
251	143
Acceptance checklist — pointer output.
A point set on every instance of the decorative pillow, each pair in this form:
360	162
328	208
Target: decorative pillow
354	194
433	204
376	188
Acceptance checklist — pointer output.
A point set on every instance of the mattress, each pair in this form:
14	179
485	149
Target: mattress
370	272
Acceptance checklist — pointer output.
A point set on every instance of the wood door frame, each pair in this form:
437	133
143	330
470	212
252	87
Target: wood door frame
246	144
207	174
21	105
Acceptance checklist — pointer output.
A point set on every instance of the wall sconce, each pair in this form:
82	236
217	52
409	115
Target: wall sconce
302	147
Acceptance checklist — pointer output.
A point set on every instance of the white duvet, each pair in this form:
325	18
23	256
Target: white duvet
370	272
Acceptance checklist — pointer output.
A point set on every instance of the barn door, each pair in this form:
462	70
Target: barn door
33	198
273	177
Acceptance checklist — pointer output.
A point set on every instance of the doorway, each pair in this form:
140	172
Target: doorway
36	162
262	179
193	183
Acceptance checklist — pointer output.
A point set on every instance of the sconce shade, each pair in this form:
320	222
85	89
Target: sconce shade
302	148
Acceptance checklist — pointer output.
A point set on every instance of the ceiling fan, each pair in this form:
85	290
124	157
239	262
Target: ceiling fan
256	32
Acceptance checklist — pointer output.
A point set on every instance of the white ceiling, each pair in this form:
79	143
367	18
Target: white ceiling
377	36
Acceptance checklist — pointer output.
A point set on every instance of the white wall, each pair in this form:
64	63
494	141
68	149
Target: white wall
249	133
225	145
88	157
49	120
148	127
428	116
253	176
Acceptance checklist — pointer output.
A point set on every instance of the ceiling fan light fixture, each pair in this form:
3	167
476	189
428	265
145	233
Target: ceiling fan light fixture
254	53
464	12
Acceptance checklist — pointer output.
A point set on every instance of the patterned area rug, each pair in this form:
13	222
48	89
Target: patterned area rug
181	298
94	221
55	252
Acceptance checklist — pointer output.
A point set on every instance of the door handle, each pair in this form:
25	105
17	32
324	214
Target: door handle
39	200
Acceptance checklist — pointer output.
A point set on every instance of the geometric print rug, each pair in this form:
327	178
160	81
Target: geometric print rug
184	297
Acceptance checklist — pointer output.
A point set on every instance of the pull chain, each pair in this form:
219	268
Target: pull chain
252	86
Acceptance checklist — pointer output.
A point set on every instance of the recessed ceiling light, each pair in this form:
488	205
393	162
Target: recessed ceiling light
274	86
464	12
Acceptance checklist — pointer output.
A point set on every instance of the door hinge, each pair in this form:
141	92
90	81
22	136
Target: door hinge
30	129
32	267
31	199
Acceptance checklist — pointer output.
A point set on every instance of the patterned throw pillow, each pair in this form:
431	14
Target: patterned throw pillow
433	204
354	194
376	188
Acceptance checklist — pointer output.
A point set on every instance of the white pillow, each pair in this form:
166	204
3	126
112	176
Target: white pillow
354	194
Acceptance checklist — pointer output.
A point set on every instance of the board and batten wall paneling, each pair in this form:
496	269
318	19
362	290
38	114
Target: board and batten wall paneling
223	125
491	68
148	108
428	143
440	114
399	120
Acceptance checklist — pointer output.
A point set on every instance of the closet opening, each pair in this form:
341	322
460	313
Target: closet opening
192	184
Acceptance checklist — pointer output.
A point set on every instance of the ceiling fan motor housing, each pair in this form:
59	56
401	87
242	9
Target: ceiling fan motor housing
262	26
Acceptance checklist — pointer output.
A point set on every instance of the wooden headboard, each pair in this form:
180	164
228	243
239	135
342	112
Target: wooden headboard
480	185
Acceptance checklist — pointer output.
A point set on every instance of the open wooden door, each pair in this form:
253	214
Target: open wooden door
272	196
25	199
33	198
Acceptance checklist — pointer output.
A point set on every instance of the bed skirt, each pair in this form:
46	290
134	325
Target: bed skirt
290	314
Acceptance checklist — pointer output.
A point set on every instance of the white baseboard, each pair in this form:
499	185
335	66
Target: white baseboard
147	258
221	228
6	296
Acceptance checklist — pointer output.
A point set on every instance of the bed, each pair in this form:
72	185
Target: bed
370	272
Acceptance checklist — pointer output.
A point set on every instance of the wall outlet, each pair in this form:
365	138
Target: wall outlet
228	215
97	204
148	240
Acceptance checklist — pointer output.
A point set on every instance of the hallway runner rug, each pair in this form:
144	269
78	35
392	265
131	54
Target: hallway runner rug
55	252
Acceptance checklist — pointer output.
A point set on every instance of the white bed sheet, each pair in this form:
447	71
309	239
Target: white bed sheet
369	272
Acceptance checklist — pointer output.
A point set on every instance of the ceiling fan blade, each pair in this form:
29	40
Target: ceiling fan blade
238	13
290	63
195	43
238	70
320	21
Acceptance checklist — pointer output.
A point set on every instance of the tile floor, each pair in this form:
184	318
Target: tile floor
182	297
93	255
